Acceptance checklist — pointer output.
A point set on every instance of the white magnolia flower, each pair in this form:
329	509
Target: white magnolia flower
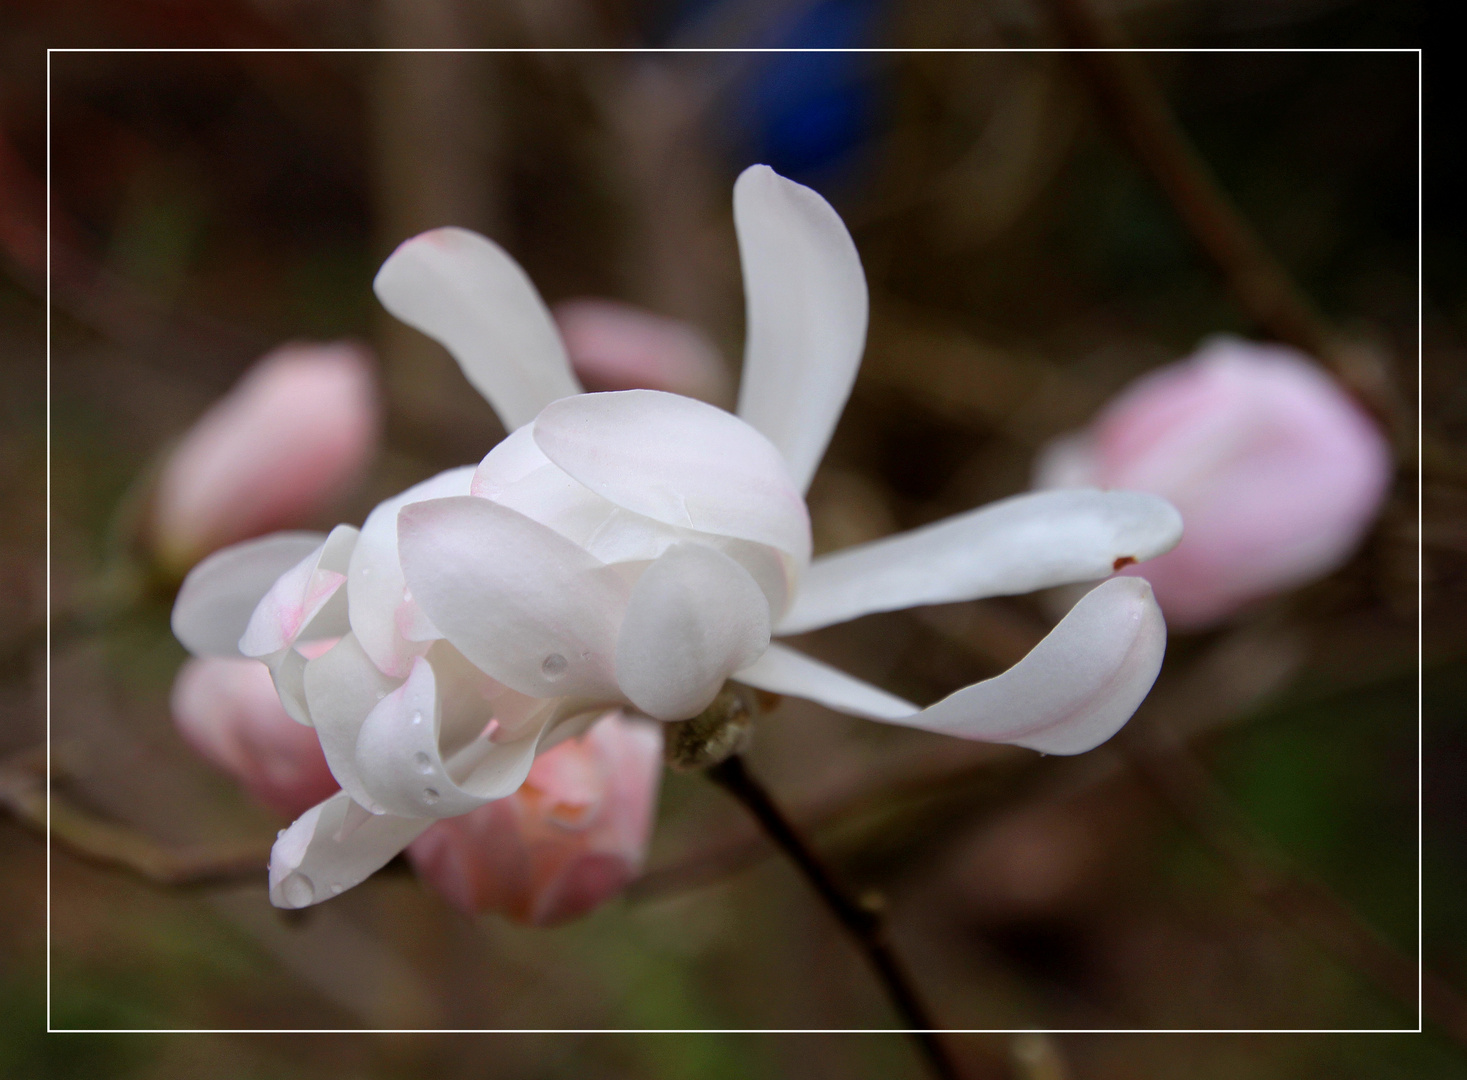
637	549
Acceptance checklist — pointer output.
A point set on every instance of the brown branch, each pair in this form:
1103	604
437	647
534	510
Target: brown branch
105	843
1174	773
1133	104
862	921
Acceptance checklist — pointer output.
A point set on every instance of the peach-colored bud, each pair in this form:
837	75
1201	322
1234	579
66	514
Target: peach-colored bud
570	838
289	437
616	346
1276	471
228	711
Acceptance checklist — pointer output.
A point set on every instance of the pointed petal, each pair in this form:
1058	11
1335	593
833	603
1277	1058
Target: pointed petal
464	291
1073	691
219	595
523	603
399	761
782	670
678	461
694	618
332	847
380	612
806	298
341	687
1009	547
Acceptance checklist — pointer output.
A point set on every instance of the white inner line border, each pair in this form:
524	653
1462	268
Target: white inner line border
1420	756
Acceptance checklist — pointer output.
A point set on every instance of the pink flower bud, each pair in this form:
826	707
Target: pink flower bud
229	712
1276	471
291	436
572	837
616	346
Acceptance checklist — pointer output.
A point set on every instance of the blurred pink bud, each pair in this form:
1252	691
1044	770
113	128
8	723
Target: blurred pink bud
291	436
1276	471
616	346
571	838
228	711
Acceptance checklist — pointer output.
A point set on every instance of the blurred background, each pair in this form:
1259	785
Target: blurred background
1249	860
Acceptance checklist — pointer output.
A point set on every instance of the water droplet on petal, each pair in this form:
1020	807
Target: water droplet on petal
416	718
297	891
279	833
554	667
430	796
424	763
336	889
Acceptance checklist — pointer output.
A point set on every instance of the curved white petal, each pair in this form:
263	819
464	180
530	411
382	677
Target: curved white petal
380	611
464	291
333	846
806	300
301	596
1013	546
678	461
401	765
1074	690
220	594
522	602
341	687
694	618
782	670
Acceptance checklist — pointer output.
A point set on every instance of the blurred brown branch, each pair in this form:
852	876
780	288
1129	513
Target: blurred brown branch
108	844
1131	101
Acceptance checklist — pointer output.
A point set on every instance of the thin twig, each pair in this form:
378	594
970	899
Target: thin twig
107	843
1131	101
1176	775
862	921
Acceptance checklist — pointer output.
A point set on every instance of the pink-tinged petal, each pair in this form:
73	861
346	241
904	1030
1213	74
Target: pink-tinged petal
1276	471
571	837
381	611
341	687
807	306
524	604
399	761
1074	690
219	595
1006	548
300	597
332	847
464	291
694	618
680	462
616	346
295	432
228	711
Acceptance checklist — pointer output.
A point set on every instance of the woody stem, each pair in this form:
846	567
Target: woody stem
863	923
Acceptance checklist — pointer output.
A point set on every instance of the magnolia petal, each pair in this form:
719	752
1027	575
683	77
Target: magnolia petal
807	304
694	618
1013	546
678	461
332	847
399	760
1074	690
380	611
341	687
220	594
300	597
782	670
522	602
288	672
464	291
